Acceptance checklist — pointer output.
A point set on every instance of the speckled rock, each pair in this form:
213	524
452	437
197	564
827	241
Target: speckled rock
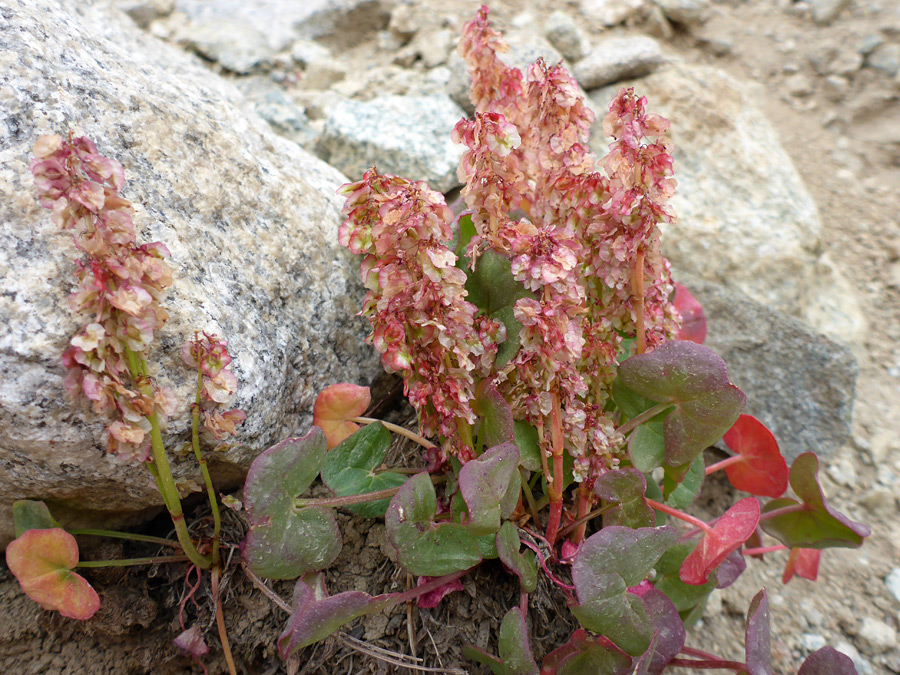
566	35
617	58
798	383
404	135
745	218
611	12
250	219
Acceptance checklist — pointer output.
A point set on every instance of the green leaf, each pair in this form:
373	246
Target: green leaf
527	441
694	379
646	445
626	487
816	525
686	597
496	415
350	468
629	402
606	564
523	566
586	654
682	495
285	542
32	515
515	650
425	548
509	347
490	484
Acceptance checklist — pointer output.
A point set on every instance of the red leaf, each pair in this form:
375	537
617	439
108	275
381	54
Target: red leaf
693	324
804	562
763	470
432	599
337	404
729	532
42	561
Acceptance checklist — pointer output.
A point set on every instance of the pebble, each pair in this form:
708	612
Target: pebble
826	11
892	581
878	499
567	36
688	13
846	62
811	642
813	616
885	58
287	119
145	12
618	58
836	87
875	636
869	43
862	665
237	46
610	12
799	84
843	472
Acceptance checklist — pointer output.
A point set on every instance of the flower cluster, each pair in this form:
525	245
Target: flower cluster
422	325
216	384
119	285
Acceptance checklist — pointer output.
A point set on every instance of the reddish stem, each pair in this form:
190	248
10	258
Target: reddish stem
555	488
793	508
712	468
675	513
637	290
563	585
718	664
762	550
584	508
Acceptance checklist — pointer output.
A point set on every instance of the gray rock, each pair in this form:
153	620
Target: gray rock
145	12
341	24
886	58
892	582
811	642
745	218
826	11
861	663
237	46
878	499
843	472
567	36
617	58
404	135
611	12
286	118
250	219
688	13
875	636
798	383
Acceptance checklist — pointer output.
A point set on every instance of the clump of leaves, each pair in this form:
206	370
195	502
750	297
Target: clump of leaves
563	394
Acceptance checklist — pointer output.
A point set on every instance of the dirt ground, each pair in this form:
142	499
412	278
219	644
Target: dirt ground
841	126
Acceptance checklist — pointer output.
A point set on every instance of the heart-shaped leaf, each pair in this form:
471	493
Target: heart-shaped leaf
647	445
694	379
583	654
688	599
814	524
607	563
669	633
627	487
728	533
693	320
42	561
425	548
315	617
804	562
496	416
32	515
336	405
284	541
682	489
523	566
757	641
827	661
526	439
515	650
350	468
762	471
490	485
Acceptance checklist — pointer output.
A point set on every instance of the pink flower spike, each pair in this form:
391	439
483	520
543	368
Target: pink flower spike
729	532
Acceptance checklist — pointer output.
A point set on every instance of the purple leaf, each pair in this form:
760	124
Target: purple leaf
668	637
316	617
495	413
758	649
729	532
627	487
425	548
763	471
827	661
815	525
285	542
191	642
694	379
607	563
584	653
490	486
731	568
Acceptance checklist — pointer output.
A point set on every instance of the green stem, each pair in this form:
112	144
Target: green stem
412	435
638	420
201	460
162	471
125	562
126	535
350	500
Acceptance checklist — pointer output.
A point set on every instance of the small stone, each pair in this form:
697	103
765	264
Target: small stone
286	118
237	46
611	12
892	582
885	475
843	472
878	499
798	85
875	636
869	43
885	58
322	75
846	62
826	11
567	36
811	642
618	58
145	12
717	46
688	13
862	665
306	52
405	21
836	87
